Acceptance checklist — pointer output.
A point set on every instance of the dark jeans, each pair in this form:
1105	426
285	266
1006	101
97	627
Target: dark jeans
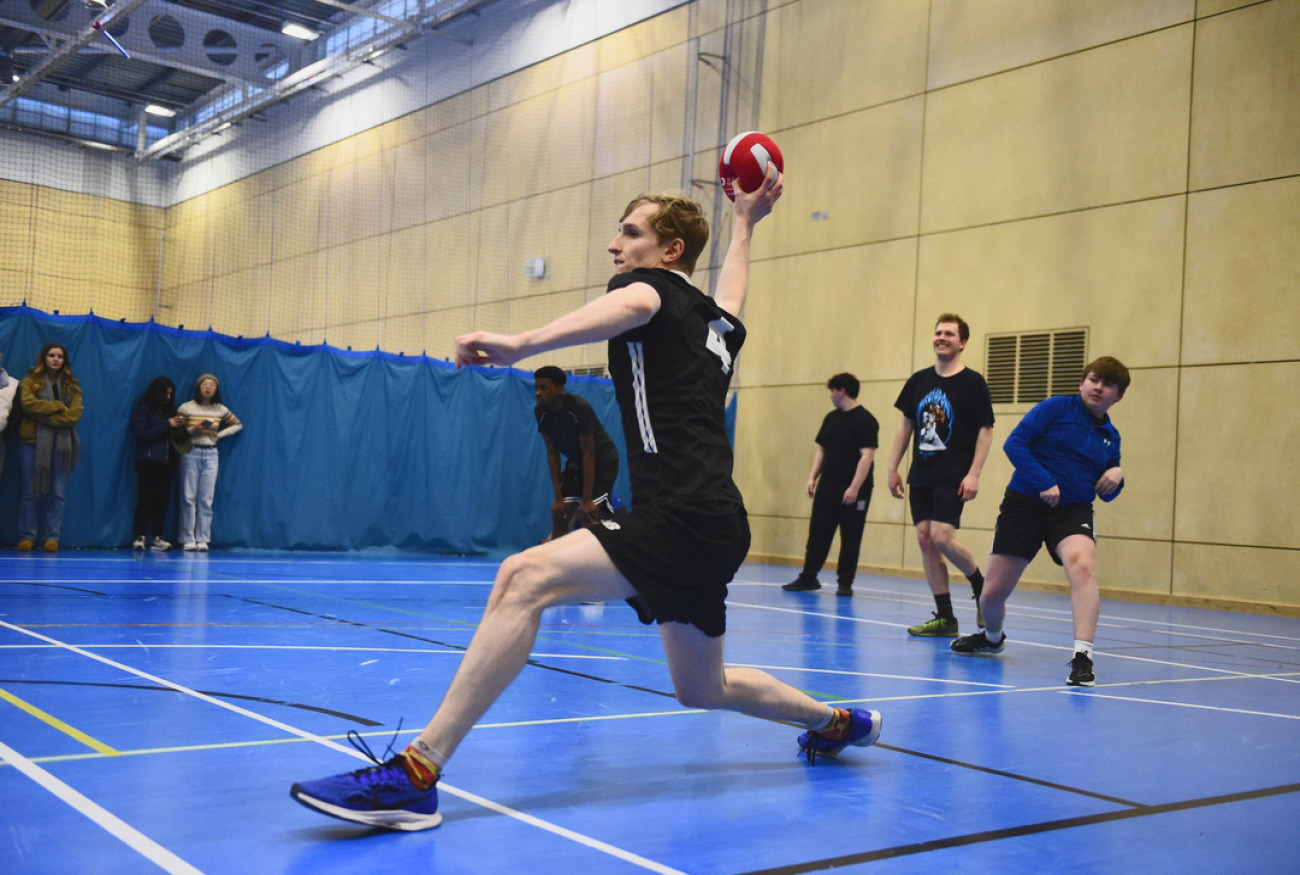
153	493
829	514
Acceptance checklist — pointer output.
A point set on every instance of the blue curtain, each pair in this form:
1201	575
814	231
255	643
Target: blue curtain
340	450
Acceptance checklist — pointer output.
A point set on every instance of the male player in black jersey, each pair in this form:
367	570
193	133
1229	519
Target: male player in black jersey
672	350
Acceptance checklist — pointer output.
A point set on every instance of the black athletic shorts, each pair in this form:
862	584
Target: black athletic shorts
571	486
942	504
1025	524
680	558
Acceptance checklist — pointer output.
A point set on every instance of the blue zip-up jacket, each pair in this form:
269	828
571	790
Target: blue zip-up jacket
1058	444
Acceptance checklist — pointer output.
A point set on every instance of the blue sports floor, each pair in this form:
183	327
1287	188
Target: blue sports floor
155	709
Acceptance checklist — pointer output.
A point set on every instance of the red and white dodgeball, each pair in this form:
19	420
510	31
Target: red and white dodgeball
744	162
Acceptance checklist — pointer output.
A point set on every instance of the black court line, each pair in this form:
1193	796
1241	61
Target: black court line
54	586
1027	829
216	694
462	647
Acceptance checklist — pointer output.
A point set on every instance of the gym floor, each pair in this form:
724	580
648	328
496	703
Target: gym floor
156	708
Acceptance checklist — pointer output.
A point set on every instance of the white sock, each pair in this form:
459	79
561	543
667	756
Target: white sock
1084	647
993	637
830	715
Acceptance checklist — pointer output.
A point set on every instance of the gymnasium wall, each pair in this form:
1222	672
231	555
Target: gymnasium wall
1128	167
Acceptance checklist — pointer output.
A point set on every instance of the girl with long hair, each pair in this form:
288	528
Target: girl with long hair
49	448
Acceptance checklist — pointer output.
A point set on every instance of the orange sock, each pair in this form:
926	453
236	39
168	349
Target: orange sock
838	726
422	771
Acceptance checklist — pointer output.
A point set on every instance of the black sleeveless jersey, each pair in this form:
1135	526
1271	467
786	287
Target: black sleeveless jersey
670	378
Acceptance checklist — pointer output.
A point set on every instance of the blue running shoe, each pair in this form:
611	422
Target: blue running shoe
864	729
380	795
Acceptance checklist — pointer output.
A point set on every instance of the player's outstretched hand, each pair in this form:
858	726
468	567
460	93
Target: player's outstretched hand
758	203
486	348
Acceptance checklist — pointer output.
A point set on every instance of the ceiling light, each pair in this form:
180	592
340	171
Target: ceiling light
297	31
155	109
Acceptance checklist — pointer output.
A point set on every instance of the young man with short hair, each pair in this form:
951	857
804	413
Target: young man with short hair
672	350
948	418
570	428
1065	451
839	484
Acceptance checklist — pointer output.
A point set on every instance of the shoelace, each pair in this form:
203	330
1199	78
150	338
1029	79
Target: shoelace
357	741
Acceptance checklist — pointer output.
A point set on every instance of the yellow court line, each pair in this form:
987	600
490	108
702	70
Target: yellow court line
93	743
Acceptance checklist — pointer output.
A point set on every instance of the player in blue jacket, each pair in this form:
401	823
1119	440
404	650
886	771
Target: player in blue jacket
1065	451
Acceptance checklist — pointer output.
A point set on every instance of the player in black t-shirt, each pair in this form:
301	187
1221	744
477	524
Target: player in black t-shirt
948	419
839	484
570	428
672	351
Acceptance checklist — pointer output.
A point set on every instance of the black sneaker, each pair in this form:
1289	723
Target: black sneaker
802	584
845	589
974	645
1081	671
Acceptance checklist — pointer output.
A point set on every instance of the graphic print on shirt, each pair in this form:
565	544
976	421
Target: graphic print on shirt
934	422
716	344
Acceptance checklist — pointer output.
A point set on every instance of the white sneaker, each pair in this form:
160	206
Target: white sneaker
202	547
190	545
160	545
138	543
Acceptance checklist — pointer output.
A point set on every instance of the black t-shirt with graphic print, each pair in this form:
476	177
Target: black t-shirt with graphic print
948	413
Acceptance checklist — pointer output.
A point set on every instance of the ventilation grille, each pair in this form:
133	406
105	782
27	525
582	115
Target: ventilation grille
1026	368
587	371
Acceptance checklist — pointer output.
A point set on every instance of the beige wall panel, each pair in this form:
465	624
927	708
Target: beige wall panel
240	302
825	58
59	294
491	316
17	193
1077	270
1206	8
778	537
359	336
669	101
14	285
457	110
1243	273
549	226
643	39
862	168
187	253
1265	577
492	185
1246	96
491	274
192	210
453	176
1242	496
1131	565
409	128
409	189
64	245
354	282
551	74
775	427
298	295
16	221
114	301
1100	127
359	203
572	136
299	224
407	275
441	329
242	235
188	306
404	335
448	265
130	260
622	123
66	202
529	146
837	305
973	39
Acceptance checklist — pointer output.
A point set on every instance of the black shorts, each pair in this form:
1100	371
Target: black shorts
601	488
1025	524
680	558
942	504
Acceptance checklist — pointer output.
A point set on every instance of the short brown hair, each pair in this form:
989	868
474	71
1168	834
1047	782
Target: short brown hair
677	218
1108	370
963	330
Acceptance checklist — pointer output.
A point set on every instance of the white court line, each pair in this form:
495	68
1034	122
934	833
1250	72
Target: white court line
1187	705
111	823
555	829
865	674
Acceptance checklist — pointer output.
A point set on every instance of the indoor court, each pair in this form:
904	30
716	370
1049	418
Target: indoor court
157	708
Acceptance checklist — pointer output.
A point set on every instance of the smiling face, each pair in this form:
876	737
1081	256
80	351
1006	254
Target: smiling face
947	341
1099	395
637	244
55	358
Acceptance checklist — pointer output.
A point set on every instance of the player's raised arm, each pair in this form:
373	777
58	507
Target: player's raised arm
751	207
607	316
